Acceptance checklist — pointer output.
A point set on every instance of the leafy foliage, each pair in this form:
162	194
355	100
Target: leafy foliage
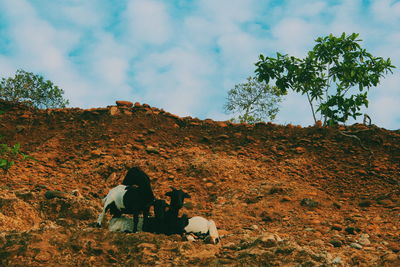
8	154
331	70
33	89
254	101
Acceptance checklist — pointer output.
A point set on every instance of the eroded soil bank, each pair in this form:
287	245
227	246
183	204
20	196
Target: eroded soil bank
280	195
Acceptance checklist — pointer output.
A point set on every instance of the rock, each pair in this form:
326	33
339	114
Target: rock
336	227
269	239
221	124
395	247
152	150
114	111
300	150
337	260
318	124
208	185
96	153
56	194
363	240
336	243
223	136
76	193
350	230
317	243
43	256
390	257
19	128
365	204
254	227
307	202
122	103
355	245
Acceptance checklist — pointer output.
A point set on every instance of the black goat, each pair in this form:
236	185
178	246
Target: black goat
135	197
174	224
156	224
136	176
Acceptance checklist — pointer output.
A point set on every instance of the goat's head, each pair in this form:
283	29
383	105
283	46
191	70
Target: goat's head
177	197
136	176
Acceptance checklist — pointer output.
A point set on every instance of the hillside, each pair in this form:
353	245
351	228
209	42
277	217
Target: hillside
280	195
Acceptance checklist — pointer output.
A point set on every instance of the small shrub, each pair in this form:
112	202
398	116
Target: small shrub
32	89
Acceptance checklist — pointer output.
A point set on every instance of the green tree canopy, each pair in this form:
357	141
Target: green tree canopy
253	101
34	89
335	76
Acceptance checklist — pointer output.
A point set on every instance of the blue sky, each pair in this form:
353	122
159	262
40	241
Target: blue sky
184	56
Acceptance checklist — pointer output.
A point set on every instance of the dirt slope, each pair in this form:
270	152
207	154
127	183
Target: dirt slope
280	195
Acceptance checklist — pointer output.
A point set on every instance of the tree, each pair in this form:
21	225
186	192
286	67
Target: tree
334	68
254	101
26	86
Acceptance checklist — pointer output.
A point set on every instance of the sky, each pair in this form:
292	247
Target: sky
184	56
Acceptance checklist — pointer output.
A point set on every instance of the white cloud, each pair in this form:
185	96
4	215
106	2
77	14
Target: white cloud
149	21
175	80
294	36
387	11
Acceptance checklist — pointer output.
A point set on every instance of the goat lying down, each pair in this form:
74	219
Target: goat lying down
124	224
201	227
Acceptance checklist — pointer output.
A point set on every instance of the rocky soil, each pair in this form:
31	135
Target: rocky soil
280	195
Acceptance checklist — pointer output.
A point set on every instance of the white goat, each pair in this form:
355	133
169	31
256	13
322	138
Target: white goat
124	224
201	226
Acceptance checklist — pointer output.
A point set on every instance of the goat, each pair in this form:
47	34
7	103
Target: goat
129	199
156	224
136	176
124	224
174	224
200	226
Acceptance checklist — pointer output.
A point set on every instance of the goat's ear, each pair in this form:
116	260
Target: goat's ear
169	194
186	195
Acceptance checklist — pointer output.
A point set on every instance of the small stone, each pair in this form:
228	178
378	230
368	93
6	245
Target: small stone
307	202
336	227
268	240
254	227
114	111
364	240
43	256
55	194
300	150
350	230
356	245
152	150
19	128
223	136
122	103
209	185
317	243
390	257
318	124
221	124
337	260
96	153
395	247
336	243
365	204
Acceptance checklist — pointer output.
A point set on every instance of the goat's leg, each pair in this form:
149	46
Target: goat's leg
101	216
135	221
